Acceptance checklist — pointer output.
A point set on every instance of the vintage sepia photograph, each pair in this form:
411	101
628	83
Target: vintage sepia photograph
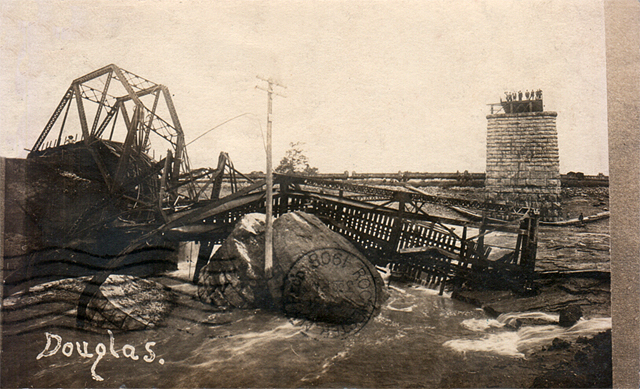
364	194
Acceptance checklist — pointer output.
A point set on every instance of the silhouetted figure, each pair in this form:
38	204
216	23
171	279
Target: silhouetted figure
526	94
539	94
520	95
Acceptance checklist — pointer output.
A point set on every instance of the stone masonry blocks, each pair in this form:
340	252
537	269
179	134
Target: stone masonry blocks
523	162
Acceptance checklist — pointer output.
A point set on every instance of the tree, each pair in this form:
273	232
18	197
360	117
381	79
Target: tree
295	162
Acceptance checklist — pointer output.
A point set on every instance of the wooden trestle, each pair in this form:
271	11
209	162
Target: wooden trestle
413	245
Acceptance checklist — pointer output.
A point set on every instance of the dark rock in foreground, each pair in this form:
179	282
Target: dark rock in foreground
570	315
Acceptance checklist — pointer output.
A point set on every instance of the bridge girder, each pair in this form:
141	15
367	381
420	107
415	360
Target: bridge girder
106	95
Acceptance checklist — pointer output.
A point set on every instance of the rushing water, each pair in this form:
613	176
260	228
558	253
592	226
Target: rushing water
417	338
525	340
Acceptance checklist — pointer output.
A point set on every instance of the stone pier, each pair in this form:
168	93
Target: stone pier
523	164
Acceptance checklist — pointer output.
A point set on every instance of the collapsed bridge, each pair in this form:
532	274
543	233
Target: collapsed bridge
122	156
391	230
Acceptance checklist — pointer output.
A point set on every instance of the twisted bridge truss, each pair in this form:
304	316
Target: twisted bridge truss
112	104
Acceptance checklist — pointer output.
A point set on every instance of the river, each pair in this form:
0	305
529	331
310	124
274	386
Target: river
419	339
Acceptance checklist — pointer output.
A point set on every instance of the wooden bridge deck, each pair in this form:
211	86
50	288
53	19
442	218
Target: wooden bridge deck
413	245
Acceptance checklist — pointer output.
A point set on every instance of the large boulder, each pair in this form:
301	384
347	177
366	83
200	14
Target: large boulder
234	276
317	274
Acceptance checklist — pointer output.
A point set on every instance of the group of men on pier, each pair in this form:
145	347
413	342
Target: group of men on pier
533	95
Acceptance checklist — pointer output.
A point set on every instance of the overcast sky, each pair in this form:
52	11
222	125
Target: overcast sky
372	86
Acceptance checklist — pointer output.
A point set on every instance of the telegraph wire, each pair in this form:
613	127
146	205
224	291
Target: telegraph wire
225	122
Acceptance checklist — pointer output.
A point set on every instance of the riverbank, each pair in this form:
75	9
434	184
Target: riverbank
406	345
411	343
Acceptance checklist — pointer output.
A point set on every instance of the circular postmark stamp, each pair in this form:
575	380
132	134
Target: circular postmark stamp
330	292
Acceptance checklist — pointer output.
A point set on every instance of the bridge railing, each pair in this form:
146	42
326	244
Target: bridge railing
407	241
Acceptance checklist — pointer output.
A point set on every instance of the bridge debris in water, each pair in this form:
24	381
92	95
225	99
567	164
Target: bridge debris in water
116	141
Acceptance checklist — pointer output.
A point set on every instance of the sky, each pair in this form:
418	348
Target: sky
371	86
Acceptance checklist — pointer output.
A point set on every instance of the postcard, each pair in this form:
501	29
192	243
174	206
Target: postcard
319	194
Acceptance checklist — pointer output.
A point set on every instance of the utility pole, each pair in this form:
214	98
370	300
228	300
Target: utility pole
268	249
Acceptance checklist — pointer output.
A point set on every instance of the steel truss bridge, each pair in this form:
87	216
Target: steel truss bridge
165	198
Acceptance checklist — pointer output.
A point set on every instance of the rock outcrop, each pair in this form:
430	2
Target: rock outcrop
570	315
123	302
319	275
